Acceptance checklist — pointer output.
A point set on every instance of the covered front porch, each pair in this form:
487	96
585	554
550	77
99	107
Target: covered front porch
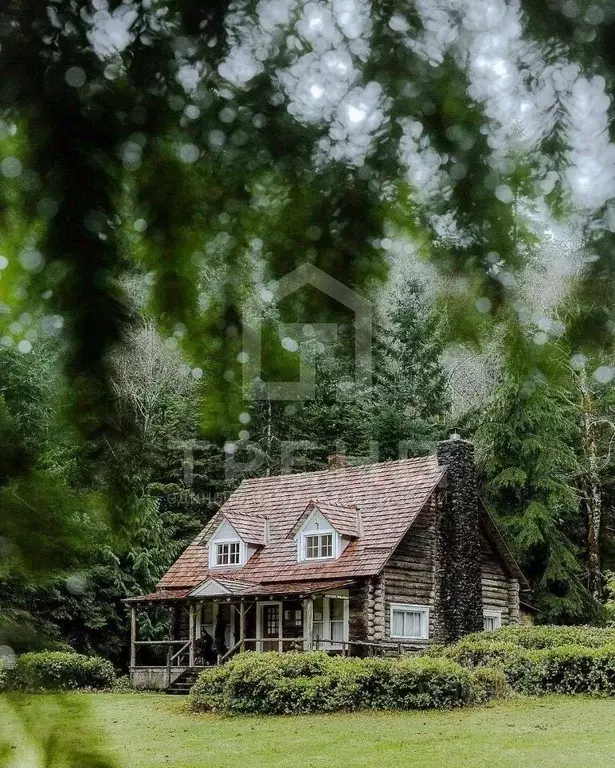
208	629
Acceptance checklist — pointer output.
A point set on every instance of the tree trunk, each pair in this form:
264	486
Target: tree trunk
592	490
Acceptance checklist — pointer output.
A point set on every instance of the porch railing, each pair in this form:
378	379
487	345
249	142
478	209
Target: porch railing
277	643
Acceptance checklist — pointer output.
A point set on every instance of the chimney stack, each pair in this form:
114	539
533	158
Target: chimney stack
458	603
337	461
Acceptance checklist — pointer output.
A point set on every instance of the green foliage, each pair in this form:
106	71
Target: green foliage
491	683
479	652
5	678
122	684
400	414
526	439
542	660
569	669
410	402
609	588
538	637
58	671
295	683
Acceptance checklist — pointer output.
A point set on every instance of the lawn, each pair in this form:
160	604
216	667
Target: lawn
152	731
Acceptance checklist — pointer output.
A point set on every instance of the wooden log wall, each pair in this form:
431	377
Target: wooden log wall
375	609
358	610
409	574
498	588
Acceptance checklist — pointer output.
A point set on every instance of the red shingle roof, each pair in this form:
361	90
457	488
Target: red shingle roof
297	587
250	526
343	517
389	495
161	596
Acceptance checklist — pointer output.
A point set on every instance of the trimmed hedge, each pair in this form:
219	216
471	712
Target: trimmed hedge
535	638
61	671
298	683
567	668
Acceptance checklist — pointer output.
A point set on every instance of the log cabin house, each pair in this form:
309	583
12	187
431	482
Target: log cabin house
382	558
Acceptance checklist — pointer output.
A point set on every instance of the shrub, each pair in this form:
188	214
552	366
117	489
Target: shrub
293	683
491	683
122	684
567	669
424	683
4	677
535	638
57	670
480	651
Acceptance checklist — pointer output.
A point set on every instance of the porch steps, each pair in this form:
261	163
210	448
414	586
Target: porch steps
183	684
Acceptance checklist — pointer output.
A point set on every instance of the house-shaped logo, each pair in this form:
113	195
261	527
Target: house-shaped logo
304	388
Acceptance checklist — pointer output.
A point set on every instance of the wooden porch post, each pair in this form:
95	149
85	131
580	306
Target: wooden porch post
191	635
308	623
242	626
133	635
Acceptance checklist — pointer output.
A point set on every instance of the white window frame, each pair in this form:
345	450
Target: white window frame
489	613
408	608
311	529
213	554
327	644
325	532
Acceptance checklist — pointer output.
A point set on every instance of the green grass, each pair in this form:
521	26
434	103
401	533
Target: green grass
154	731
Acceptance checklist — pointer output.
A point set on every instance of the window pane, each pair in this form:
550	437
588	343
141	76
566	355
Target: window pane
336	608
412	624
326	545
491	622
337	630
318	630
318	609
234	553
398	623
311	546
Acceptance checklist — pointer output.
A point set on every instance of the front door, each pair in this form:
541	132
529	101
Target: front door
270	615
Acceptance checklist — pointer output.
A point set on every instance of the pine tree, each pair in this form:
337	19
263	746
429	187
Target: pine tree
410	400
526	439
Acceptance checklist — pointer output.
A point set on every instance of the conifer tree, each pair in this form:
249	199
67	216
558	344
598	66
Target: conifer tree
527	438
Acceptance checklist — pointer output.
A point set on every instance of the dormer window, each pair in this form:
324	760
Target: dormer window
228	553
318	546
324	530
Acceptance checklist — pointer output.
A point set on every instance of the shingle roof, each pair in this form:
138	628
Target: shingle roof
262	590
343	517
162	595
297	587
389	495
249	525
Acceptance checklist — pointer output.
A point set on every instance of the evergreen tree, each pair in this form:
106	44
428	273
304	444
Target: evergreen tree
411	398
526	439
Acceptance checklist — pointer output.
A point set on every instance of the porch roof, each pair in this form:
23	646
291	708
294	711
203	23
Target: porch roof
279	588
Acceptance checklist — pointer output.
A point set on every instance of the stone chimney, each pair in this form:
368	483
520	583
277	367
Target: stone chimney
458	590
337	461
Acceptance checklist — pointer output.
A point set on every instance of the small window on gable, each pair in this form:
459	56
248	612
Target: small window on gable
228	553
318	546
492	620
410	622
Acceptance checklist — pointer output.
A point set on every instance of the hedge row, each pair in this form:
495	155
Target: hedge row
561	669
297	683
57	671
535	638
